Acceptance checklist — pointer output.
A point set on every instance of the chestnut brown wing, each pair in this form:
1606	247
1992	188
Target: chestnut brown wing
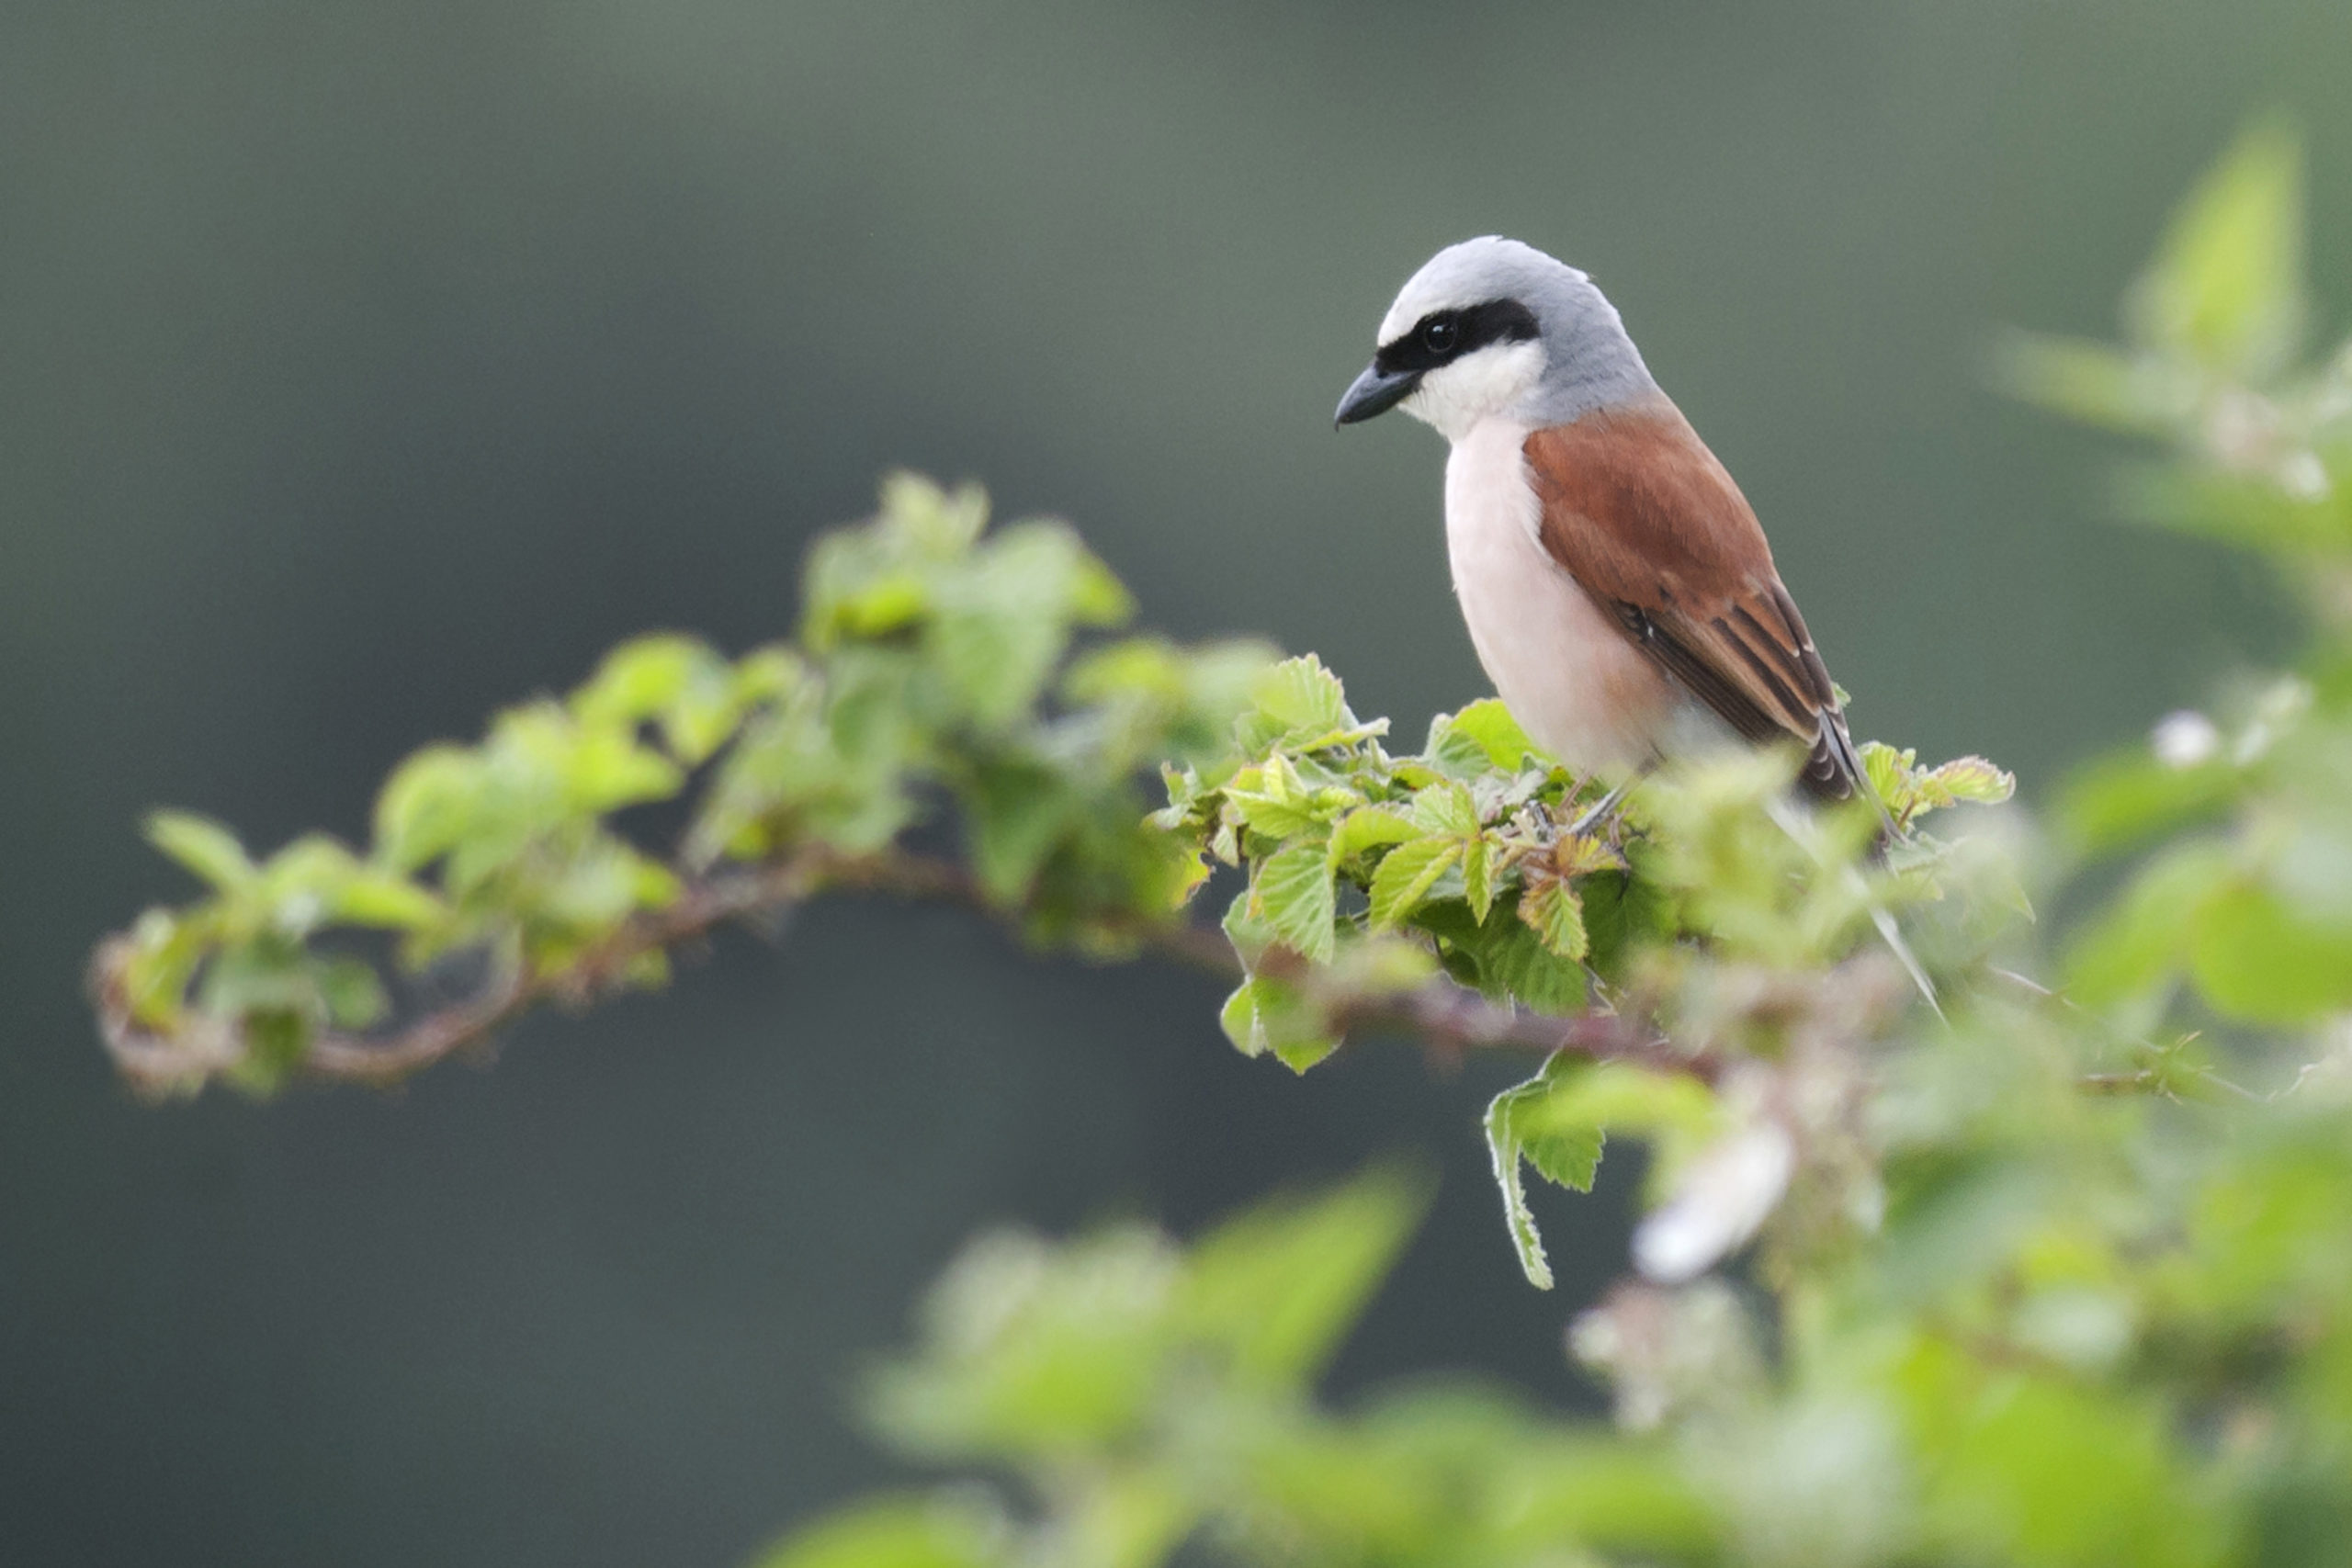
1638	511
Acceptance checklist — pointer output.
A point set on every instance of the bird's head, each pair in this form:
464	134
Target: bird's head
1490	328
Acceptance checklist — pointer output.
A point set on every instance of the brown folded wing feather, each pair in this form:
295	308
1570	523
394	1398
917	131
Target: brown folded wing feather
1638	511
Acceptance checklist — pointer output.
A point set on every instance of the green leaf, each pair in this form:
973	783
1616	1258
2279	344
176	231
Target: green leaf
1302	699
1514	962
603	771
1014	817
1405	877
1525	1238
1292	893
2130	797
946	1531
2141	941
1369	826
428	803
352	991
2253	958
1478	881
1480	740
640	678
1274	800
1974	780
1552	911
1518	1128
1497	734
1238	1018
1281	1283
1267	1015
2140	394
1299	707
203	846
1446	807
373	897
165	952
2226	287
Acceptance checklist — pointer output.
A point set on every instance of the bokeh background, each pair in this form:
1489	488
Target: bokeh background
364	367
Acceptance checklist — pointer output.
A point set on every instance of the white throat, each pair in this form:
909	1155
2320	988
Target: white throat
1493	382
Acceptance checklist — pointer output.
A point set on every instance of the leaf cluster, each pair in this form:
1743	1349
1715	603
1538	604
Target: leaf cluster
934	679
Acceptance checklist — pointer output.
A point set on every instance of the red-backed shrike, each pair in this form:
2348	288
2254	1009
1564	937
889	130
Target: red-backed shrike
1617	587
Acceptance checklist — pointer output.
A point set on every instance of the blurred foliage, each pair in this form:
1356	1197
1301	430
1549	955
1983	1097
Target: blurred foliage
2050	1275
2063	1276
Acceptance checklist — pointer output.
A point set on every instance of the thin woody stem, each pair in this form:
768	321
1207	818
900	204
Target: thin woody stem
1446	1017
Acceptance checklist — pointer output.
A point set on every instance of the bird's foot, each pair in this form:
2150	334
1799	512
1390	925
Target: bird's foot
1599	814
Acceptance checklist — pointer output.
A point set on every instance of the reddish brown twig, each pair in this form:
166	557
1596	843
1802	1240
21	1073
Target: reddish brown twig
1440	1014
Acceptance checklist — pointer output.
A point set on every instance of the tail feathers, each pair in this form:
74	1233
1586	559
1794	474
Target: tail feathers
1834	772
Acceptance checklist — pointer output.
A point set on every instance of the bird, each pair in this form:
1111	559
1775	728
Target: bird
1617	585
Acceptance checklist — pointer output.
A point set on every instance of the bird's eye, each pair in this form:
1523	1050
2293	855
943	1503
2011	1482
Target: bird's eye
1441	335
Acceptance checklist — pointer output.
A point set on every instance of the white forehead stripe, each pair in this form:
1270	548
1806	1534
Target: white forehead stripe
1473	273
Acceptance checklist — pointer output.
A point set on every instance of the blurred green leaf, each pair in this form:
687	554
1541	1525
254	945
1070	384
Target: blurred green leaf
2143	941
2130	797
203	846
1283	1282
2252	958
913	1531
2226	287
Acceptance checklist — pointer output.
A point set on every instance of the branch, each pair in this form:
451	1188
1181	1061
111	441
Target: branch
1448	1017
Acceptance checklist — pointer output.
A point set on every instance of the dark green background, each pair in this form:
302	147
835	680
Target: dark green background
362	367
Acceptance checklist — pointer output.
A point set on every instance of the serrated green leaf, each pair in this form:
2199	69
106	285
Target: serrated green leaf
1478	883
1405	877
204	847
1498	735
1525	1238
1301	698
1292	893
1518	1129
1301	1049
1514	962
1366	827
1275	800
1550	908
1446	807
1974	780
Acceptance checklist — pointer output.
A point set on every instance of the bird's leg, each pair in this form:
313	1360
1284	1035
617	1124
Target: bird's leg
1601	811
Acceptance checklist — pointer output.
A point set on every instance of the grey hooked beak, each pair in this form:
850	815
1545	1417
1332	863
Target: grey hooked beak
1375	392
